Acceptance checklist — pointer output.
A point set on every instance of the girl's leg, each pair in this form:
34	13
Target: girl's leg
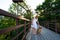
34	31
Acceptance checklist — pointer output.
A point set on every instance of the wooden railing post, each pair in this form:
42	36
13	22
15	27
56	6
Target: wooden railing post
29	26
56	25
24	27
17	23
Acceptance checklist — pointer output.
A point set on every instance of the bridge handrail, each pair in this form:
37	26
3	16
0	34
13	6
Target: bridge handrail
17	18
4	13
6	30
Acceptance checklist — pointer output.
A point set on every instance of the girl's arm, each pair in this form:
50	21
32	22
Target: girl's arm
38	22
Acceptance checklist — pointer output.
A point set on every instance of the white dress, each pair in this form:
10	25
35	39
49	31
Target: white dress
34	24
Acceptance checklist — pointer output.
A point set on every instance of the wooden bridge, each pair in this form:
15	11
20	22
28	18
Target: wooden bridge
46	34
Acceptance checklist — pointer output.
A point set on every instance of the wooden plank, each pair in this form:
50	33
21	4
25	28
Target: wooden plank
49	35
6	30
4	13
46	34
24	36
20	34
17	35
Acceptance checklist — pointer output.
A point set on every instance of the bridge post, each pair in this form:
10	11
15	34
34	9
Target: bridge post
29	25
56	25
17	23
24	27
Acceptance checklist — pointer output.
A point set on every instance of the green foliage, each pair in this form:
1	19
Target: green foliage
50	9
13	8
7	22
20	9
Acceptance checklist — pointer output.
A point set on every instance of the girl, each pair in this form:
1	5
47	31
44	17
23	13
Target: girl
34	24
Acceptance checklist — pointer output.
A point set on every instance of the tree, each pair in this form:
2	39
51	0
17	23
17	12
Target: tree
50	9
20	9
